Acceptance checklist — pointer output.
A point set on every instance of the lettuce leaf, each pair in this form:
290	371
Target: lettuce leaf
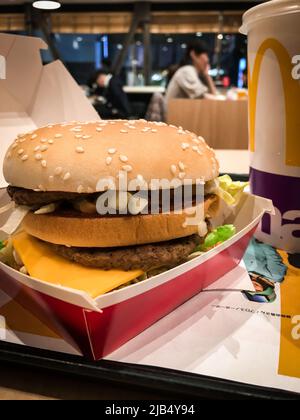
230	191
216	237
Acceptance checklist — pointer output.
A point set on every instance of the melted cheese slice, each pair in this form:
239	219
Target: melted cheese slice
43	264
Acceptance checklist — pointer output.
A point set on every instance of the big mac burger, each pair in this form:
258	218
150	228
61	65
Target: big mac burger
57	176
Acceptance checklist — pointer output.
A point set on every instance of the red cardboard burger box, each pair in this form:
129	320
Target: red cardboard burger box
97	326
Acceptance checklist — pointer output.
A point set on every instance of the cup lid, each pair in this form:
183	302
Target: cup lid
267	10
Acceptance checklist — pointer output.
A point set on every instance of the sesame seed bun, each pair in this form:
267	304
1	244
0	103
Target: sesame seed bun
115	231
74	157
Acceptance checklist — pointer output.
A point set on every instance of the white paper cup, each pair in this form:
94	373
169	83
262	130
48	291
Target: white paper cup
273	30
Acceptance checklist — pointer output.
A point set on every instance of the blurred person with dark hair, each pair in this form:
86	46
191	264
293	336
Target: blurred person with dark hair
111	100
192	79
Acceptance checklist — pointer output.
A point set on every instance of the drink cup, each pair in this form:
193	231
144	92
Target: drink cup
273	30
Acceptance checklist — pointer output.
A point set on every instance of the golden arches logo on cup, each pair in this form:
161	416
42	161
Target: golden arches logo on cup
291	87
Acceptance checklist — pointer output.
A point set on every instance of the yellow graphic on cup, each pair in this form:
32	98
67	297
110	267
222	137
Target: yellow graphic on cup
291	89
289	359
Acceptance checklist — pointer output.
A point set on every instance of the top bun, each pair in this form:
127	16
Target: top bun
73	157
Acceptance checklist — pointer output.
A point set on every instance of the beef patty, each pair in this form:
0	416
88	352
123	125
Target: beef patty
143	257
30	198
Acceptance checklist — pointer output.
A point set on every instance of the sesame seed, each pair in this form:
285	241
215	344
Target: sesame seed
86	137
173	169
20	151
181	175
38	156
181	166
58	171
14	145
37	148
195	148
34	136
51	141
76	129
44	141
123	158
180	132
58	136
78	136
185	146
44	163
112	151
196	141
99	129
146	129
108	160
200	153
50	126
44	148
127	168
67	176
132	127
79	149
124	131
24	158
80	189
153	130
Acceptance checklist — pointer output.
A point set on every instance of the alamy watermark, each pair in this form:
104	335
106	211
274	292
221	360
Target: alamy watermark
136	196
296	68
2	328
296	328
2	68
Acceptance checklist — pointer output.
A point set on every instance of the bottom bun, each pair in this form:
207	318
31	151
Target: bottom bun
117	231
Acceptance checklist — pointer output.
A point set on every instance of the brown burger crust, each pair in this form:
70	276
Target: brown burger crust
118	231
74	157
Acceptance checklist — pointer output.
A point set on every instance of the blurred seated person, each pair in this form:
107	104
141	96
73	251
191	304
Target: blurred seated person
111	101
192	79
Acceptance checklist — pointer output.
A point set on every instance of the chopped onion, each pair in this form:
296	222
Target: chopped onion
50	208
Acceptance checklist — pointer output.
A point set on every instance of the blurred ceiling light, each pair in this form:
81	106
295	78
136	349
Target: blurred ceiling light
220	37
199	34
46	5
169	40
79	39
120	47
183	46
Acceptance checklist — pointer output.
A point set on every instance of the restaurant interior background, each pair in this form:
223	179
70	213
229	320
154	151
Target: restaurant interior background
140	41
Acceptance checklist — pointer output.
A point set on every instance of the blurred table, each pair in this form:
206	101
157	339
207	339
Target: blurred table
144	89
233	161
223	124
